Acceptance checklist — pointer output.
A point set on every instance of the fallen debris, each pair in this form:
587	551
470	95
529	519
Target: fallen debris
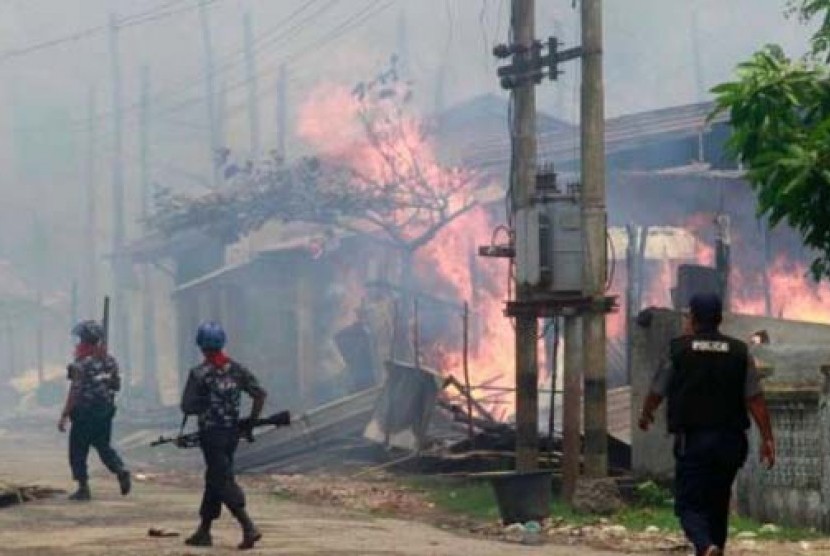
162	533
11	495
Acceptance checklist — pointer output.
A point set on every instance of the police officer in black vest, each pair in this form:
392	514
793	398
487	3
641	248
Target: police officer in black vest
711	384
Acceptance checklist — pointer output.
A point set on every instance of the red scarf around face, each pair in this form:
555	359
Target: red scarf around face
83	350
216	358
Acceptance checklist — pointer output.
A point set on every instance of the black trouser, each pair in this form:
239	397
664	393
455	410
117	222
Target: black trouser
707	463
92	428
218	447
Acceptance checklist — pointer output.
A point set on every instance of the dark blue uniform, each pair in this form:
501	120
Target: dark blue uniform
95	380
214	393
707	378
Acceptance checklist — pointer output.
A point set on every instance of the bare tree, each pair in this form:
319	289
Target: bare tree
398	186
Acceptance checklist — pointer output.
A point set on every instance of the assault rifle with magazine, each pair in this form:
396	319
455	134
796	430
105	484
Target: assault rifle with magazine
246	427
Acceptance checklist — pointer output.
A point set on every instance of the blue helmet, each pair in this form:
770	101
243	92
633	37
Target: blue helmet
88	332
210	336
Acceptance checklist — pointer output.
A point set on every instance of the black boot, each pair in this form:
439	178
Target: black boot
82	494
250	534
201	537
249	538
124	482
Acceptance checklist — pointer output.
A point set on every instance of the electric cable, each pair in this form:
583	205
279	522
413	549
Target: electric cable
129	21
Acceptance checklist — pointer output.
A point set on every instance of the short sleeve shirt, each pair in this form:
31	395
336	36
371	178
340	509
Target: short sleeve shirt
662	378
222	388
95	380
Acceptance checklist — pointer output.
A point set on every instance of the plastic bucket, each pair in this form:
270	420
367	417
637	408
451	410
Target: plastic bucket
522	497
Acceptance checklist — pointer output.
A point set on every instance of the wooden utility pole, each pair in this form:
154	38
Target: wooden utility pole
148	313
694	31
403	43
253	100
595	223
121	333
91	227
221	119
523	191
571	418
210	91
39	335
282	110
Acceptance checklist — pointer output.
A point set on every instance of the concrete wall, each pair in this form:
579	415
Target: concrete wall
794	492
796	351
796	365
651	452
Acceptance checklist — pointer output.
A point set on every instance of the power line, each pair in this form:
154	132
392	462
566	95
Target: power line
353	22
129	21
184	85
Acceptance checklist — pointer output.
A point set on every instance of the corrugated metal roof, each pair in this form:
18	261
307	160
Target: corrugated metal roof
621	133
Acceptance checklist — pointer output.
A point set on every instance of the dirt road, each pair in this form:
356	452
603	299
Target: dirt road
116	525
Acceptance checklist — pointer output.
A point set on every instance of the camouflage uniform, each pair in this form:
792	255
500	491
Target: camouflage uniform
214	393
95	380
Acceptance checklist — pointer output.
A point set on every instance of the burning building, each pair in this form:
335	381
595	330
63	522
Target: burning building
295	286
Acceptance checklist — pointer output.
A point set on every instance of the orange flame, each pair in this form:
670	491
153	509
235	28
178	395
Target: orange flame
331	120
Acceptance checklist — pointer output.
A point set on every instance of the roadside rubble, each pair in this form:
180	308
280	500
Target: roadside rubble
384	494
11	495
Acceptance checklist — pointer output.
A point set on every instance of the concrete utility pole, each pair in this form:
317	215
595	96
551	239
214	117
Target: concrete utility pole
91	231
282	110
210	91
253	100
121	333
148	313
523	190
595	223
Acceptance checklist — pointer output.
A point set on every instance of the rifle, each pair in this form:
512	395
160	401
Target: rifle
191	439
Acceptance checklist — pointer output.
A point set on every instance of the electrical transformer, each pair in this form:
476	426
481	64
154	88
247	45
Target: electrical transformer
561	244
550	243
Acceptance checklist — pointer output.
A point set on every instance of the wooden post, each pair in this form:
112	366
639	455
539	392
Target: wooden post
571	416
282	111
595	225
39	337
251	78
415	334
121	332
467	384
305	336
553	352
148	312
91	225
524	187
210	91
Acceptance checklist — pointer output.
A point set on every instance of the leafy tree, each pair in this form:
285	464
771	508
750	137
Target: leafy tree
779	109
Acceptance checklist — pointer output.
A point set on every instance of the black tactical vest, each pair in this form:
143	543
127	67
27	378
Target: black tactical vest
708	386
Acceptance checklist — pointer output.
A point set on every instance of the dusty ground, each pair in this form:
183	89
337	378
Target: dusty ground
324	521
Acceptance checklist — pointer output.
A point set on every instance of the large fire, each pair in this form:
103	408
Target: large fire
333	122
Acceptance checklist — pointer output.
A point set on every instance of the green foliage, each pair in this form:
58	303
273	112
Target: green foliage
654	508
649	493
779	109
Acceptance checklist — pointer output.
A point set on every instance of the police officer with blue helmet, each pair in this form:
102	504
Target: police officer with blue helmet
213	393
90	407
712	385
